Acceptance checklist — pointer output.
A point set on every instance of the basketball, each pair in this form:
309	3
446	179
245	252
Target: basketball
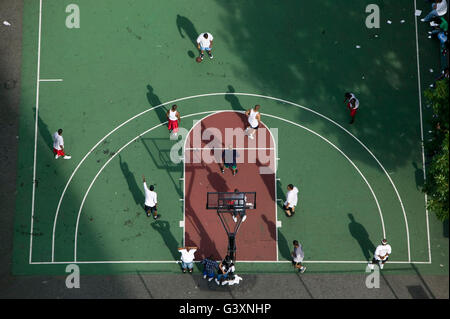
198	59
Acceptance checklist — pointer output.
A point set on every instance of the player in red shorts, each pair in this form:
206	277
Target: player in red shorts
352	104
174	119
58	145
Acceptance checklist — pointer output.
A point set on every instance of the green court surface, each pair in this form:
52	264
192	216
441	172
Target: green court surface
109	83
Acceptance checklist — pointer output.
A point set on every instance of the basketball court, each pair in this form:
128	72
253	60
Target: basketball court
109	84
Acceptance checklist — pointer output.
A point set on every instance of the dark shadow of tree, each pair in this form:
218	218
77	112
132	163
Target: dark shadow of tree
362	236
317	62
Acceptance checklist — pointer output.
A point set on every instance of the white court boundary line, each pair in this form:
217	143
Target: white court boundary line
235	94
214	113
419	85
33	195
51	80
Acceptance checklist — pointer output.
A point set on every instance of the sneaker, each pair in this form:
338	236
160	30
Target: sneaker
211	279
217	282
148	215
251	137
371	266
302	270
156	217
429	32
429	37
184	271
423	20
67	157
235	219
224	282
56	156
244	218
190	271
204	276
222	171
381	266
235	172
211	56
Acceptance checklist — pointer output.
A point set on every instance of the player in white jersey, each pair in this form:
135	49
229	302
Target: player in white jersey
58	145
253	117
381	255
352	104
173	118
204	43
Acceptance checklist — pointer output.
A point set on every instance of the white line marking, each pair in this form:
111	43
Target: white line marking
181	199
236	94
225	148
182	223
51	80
419	85
36	130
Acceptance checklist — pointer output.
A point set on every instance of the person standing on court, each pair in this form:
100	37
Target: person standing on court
151	200
229	160
237	207
291	200
297	257
187	258
352	104
173	118
58	145
253	117
204	43
381	255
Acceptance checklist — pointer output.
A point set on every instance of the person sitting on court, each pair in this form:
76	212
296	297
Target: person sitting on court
229	160
253	117
291	200
227	269
187	258
238	207
210	267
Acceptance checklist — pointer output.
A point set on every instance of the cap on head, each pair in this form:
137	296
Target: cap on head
384	241
60	131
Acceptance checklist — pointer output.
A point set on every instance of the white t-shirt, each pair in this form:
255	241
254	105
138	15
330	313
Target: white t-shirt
187	256
356	101
382	250
441	8
205	43
252	118
292	197
173	115
150	197
58	141
298	254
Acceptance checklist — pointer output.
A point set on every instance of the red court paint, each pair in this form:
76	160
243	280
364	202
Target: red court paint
256	239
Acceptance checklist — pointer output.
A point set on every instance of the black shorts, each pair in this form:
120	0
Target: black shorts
374	261
289	209
150	210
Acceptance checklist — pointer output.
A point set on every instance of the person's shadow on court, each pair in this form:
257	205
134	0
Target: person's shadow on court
235	104
163	228
44	131
270	226
154	100
133	187
418	173
362	236
184	24
216	180
283	246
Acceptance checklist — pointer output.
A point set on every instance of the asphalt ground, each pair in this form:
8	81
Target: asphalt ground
154	285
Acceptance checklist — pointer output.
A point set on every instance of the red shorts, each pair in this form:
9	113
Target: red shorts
173	125
58	152
353	112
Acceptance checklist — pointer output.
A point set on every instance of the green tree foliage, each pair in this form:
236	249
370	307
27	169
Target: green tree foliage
437	186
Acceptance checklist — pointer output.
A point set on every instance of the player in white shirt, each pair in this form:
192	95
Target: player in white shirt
58	145
381	255
151	200
297	257
438	9
253	117
173	118
352	104
204	43
187	258
291	200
